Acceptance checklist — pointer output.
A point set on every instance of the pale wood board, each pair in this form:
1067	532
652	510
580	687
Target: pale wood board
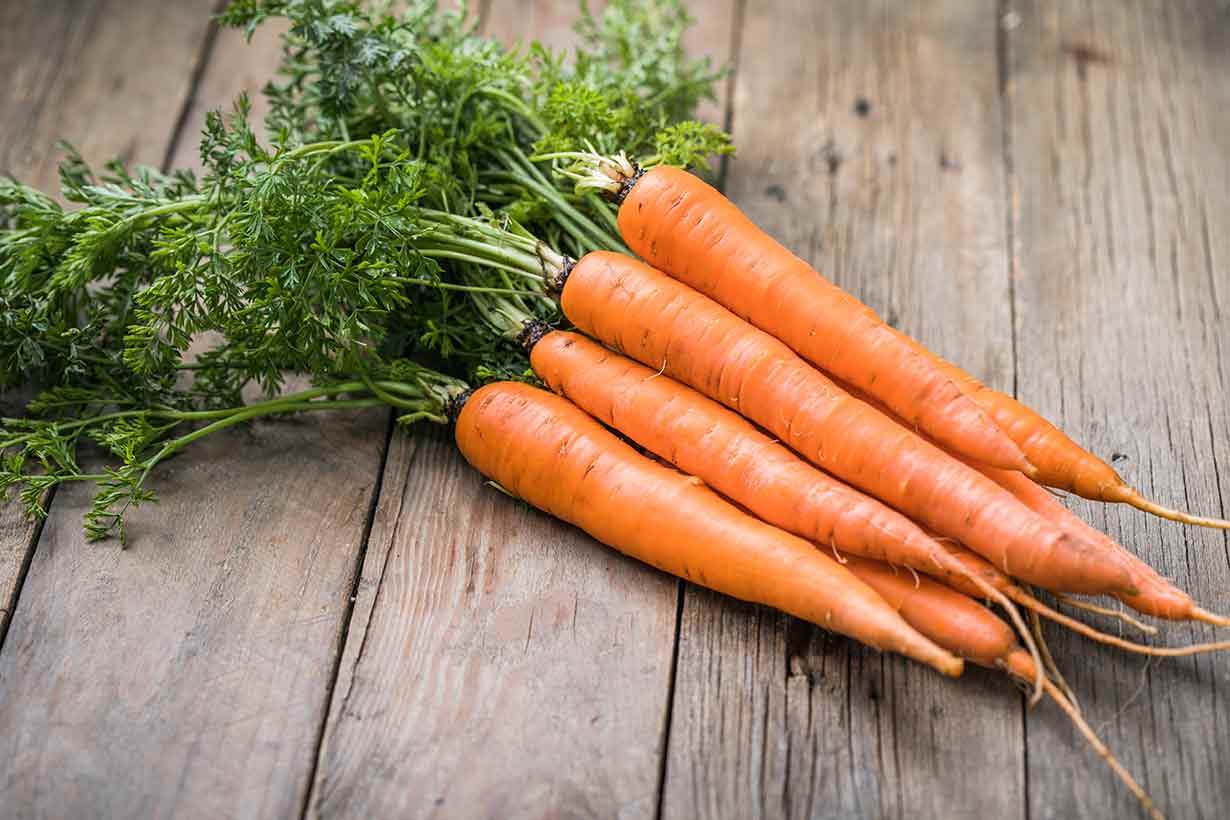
869	139
110	77
187	676
236	64
1119	114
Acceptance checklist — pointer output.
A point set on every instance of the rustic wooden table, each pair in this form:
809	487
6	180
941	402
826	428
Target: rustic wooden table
322	619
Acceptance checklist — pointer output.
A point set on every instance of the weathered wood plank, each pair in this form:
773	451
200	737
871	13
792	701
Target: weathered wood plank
16	538
17	532
63	65
507	666
1122	182
189	675
869	139
521	22
499	663
109	76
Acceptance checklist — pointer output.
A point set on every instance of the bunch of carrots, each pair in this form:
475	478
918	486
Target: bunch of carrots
715	408
731	417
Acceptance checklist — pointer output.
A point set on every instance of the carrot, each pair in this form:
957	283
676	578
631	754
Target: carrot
687	229
705	439
978	566
1060	461
720	447
548	452
670	327
962	626
1155	596
679	224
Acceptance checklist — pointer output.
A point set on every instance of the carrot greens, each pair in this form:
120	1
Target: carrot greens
392	214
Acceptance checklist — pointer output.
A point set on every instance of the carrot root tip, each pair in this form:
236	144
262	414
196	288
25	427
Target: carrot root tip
1128	495
1206	617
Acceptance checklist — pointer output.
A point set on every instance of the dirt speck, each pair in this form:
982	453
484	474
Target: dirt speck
832	157
776	192
1085	55
948	163
862	106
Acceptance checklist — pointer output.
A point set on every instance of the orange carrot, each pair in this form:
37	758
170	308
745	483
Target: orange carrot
962	626
1155	595
965	627
717	445
1060	461
978	566
687	229
727	452
670	327
548	452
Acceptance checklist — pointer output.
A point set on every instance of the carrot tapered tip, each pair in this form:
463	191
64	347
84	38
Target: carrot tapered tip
952	666
917	647
1128	495
1021	666
1207	617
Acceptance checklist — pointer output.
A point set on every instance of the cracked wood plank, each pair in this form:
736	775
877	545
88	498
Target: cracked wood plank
869	139
187	676
1118	115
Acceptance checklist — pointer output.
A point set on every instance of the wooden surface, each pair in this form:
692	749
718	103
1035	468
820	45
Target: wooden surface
322	620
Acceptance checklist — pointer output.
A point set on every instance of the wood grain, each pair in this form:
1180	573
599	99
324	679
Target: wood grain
189	675
17	534
109	76
1118	115
235	64
521	22
70	72
869	140
499	663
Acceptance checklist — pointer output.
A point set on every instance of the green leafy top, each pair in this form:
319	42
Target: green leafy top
396	215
